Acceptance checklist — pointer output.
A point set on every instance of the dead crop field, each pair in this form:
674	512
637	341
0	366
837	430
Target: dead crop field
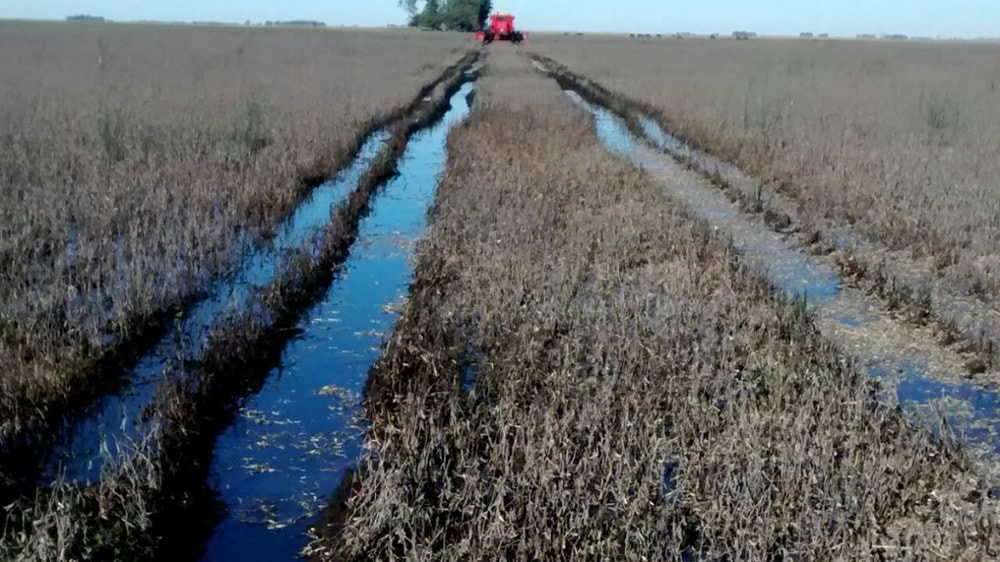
139	162
583	365
585	371
892	143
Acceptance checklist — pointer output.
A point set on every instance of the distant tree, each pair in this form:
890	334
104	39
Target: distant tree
462	15
430	16
85	17
485	7
410	6
456	15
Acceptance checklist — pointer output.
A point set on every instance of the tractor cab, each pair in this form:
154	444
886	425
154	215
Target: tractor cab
500	28
502	24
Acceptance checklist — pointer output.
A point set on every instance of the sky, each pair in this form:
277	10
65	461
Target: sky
953	18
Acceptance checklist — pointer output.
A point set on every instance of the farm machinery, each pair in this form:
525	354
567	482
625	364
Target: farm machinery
500	28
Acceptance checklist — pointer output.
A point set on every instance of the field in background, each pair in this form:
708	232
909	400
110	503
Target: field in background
897	139
137	161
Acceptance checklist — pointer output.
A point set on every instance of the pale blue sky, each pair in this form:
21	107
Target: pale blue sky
957	18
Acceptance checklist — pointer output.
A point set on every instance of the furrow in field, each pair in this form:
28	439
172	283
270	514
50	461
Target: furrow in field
892	170
295	438
907	285
931	379
159	486
586	370
118	417
103	399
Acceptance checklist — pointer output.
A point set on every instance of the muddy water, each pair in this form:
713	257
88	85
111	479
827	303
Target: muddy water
115	422
926	378
276	467
971	316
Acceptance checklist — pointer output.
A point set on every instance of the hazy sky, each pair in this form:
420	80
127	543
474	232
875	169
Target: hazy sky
960	18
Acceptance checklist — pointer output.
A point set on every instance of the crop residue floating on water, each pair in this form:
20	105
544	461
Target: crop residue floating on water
275	479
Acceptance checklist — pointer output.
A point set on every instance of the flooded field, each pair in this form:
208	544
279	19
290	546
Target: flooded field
140	163
921	374
117	419
468	304
604	358
276	467
139	452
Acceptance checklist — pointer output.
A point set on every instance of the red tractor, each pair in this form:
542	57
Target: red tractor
501	28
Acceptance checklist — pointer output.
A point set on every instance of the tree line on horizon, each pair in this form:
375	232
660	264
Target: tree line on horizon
449	15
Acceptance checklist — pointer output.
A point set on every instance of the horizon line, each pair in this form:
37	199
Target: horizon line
665	34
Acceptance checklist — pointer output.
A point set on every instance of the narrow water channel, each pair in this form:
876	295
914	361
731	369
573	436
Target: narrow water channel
276	467
926	379
115	421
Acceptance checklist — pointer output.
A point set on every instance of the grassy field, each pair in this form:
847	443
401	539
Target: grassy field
584	371
896	140
137	162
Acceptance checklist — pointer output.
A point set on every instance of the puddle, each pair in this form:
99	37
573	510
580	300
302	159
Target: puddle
970	315
676	147
663	139
116	418
927	379
850	321
968	410
612	131
793	271
294	441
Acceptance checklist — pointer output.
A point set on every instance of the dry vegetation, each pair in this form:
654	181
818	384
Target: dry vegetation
898	141
585	372
153	501
136	162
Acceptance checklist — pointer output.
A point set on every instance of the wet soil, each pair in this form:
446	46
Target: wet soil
931	380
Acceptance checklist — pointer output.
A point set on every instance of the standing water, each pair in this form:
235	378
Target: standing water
294	441
925	381
116	420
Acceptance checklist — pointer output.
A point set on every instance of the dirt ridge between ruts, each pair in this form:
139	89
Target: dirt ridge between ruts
165	481
635	392
969	326
98	372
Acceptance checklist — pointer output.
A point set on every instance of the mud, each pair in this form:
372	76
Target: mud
295	440
109	428
117	419
201	393
928	379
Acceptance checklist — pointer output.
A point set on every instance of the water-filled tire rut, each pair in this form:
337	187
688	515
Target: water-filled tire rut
930	379
167	476
639	392
106	382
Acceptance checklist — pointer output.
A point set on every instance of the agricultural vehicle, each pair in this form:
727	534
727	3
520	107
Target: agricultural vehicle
500	28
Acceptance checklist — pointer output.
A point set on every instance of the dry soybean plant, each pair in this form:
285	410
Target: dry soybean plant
137	162
154	492
586	372
894	140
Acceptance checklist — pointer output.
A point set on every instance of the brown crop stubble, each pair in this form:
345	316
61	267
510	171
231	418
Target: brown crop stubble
616	346
136	162
154	500
895	142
